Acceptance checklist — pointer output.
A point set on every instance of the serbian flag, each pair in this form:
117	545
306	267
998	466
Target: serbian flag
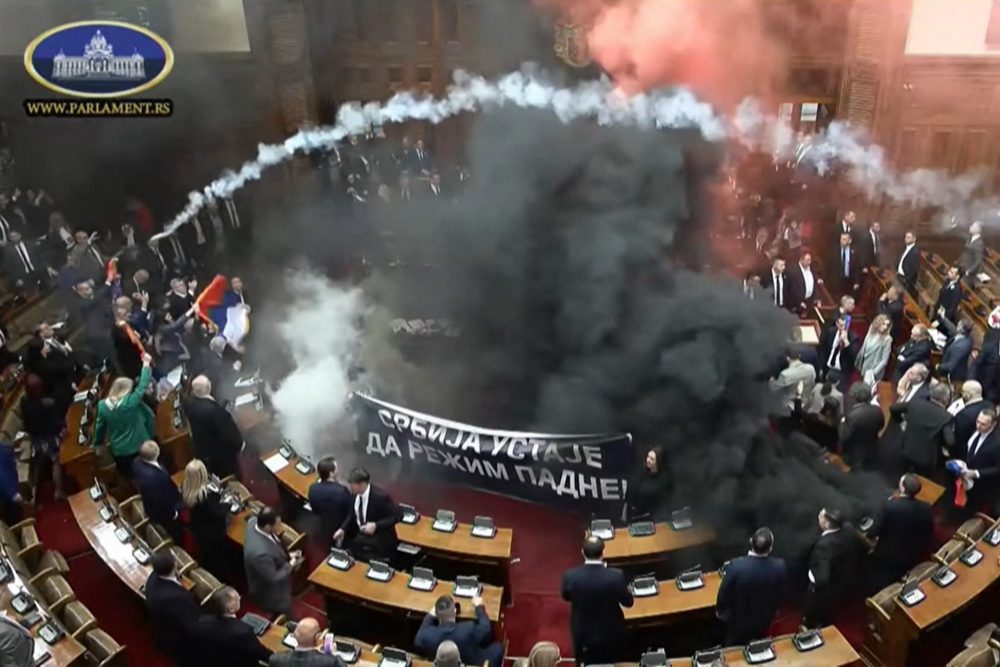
134	337
112	272
237	322
211	297
962	485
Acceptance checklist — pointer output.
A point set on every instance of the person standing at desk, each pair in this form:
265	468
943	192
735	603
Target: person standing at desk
441	625
596	594
904	533
160	497
268	566
647	490
173	612
208	518
225	639
751	591
370	527
832	562
330	499
216	437
125	418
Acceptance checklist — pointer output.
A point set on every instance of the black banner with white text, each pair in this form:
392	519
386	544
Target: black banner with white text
579	472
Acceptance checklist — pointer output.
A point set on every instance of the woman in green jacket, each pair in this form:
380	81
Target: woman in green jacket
125	419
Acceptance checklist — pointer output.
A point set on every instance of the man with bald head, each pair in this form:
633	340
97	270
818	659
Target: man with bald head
159	494
447	655
308	651
968	410
216	437
596	594
917	350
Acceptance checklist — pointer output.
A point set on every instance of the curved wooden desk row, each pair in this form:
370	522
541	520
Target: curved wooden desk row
900	625
78	458
66	651
101	536
394	594
671	602
625	547
457	545
835	652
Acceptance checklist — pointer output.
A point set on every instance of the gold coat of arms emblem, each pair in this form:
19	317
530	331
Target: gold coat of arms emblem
571	44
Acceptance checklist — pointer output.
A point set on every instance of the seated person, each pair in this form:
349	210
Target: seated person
308	649
472	637
224	638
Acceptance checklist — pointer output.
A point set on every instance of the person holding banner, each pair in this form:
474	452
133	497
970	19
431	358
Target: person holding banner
370	528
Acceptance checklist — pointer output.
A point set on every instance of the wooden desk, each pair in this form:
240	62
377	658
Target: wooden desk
672	603
459	545
176	440
77	458
930	491
369	658
624	547
101	536
943	602
66	651
395	595
836	652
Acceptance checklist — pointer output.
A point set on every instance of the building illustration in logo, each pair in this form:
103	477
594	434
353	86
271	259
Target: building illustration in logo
98	62
571	44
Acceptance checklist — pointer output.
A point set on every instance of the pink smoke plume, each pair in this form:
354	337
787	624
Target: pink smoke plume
720	48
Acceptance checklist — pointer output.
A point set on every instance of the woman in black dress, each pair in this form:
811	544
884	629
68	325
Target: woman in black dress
208	519
648	487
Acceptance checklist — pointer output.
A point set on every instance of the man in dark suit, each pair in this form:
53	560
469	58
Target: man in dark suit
471	637
308	649
954	364
216	437
870	247
173	612
17	646
904	532
223	638
268	566
23	265
330	499
986	367
860	428
91	310
802	284
370	526
949	298
928	430
832	562
752	590
775	284
838	347
179	299
596	594
982	458
848	266
972	404
160	496
917	350
908	266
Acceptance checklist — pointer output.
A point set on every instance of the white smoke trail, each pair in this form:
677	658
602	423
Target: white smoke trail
526	89
841	144
320	330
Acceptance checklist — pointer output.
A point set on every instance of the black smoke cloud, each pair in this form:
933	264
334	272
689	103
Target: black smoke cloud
564	267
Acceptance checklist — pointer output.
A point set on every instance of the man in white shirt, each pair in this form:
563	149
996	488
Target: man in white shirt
908	266
832	562
802	283
370	528
21	263
982	460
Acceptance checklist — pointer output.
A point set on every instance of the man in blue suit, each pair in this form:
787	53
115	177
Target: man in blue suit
330	499
471	637
751	591
596	594
160	496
